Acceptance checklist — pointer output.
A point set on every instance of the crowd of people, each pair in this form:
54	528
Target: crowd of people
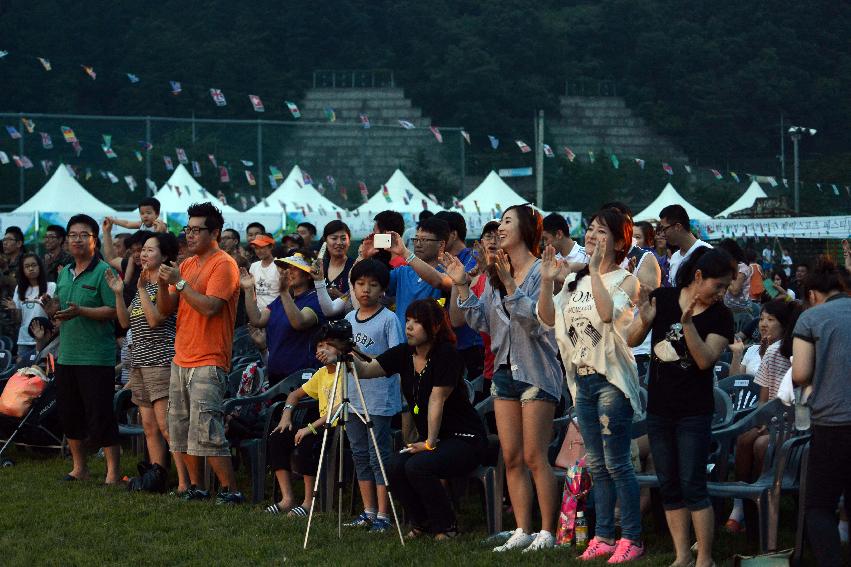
633	311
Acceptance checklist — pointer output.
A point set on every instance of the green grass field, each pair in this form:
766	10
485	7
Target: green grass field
44	521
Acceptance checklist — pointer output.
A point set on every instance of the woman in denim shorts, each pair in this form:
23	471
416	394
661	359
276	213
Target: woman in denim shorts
527	380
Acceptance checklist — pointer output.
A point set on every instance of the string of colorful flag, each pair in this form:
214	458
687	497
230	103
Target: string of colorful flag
219	100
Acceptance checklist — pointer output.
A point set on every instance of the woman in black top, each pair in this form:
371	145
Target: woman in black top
337	264
690	328
449	429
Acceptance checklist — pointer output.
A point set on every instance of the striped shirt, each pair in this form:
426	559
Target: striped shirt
771	370
151	346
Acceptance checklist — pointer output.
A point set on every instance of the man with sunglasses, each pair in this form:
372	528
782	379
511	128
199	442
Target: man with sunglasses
204	290
675	226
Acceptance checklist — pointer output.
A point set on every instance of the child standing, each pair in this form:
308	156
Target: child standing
149	217
376	329
26	303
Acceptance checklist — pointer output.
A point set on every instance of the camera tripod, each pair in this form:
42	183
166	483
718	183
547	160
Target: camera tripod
345	366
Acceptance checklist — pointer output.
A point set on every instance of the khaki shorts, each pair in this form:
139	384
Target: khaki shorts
195	419
149	384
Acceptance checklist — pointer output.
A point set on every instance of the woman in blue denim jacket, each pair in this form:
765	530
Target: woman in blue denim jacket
527	381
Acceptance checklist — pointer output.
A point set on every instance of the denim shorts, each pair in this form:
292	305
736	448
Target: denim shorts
505	387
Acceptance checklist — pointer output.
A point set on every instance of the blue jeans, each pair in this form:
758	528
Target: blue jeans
605	420
363	452
680	447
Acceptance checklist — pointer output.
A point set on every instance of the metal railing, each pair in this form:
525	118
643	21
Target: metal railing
353	78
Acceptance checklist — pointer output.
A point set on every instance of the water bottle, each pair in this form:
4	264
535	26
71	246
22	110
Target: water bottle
802	411
580	531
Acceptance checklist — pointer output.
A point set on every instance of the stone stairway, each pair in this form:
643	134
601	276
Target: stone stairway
607	124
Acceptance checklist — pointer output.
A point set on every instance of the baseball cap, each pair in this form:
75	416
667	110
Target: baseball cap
263	240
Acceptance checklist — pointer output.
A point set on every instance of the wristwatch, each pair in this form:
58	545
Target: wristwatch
180	285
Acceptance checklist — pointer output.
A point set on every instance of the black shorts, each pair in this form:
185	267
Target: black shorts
84	402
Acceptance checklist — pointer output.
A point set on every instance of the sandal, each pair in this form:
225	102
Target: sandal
274	509
298	512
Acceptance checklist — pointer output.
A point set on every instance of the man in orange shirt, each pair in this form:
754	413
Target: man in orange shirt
204	289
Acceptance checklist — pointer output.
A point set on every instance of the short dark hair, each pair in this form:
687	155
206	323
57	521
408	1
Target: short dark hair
370	268
335	226
554	222
60	232
676	214
309	226
152	202
235	233
255	225
802	265
139	237
213	218
86	220
455	221
438	227
16	232
167	243
620	206
433	318
425	214
390	220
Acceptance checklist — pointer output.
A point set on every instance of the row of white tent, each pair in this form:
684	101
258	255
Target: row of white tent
63	193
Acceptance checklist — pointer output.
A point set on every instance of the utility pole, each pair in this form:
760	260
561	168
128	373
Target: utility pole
539	159
795	132
782	149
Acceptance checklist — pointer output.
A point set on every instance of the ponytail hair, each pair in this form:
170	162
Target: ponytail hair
712	263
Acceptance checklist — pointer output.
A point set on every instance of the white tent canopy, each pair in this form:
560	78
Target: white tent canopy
493	194
402	196
63	194
294	196
669	196
746	201
181	190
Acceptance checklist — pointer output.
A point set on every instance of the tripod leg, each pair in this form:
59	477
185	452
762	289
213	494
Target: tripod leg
371	430
321	455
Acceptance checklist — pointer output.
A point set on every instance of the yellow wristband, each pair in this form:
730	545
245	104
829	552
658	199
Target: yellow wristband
429	447
312	429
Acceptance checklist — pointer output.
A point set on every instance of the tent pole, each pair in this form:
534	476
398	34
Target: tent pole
539	160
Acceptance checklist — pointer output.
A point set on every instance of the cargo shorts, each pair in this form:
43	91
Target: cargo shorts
195	419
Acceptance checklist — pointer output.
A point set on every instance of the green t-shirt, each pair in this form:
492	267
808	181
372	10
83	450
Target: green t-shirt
84	341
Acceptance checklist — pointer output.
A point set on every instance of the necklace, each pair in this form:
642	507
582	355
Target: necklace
419	380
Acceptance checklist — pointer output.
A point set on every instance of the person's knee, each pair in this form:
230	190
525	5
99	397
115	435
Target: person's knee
514	459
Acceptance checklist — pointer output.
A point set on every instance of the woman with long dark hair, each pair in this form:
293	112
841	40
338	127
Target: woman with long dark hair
590	316
822	357
337	264
691	327
26	303
451	435
527	380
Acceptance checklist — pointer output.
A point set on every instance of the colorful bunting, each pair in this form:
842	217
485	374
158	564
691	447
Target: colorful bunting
90	72
131	183
406	125
771	181
363	190
224	176
466	136
717	174
835	189
13	132
169	165
615	163
364	120
330	114
437	135
212	159
305	176
44	63
591	156
147	146
548	151
3	53
344	193
88	173
276	173
668	169
256	103
386	193
4	159
181	155
176	89
734	176
640	162
107	140
152	187
494	141
77	147
569	153
218	97
250	178
112	177
133	78
247	163
523	146
687	168
110	153
196	169
70	169
293	108
46	166
28	124
46	141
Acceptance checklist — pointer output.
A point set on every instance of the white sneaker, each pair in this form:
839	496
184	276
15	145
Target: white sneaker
543	540
518	540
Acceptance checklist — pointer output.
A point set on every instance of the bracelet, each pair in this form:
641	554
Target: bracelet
312	429
320	283
288	406
410	257
429	447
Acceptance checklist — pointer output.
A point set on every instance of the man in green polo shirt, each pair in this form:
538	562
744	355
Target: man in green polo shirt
85	369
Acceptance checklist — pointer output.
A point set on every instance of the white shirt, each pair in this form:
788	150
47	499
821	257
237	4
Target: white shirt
266	284
677	259
751	360
786	261
577	254
30	309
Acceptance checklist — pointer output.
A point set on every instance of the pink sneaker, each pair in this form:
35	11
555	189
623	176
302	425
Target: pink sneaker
597	548
626	550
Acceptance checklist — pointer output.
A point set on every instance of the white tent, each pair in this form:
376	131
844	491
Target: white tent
402	196
63	194
181	190
669	196
746	201
493	194
294	195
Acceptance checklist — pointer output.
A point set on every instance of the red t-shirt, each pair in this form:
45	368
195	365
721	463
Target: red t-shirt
478	289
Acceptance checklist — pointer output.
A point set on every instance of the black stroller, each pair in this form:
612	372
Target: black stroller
39	428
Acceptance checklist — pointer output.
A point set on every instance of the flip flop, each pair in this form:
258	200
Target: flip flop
299	512
69	478
274	509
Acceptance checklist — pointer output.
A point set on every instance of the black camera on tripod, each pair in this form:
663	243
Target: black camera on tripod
336	331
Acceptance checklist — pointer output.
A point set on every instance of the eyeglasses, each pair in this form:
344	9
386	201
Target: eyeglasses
227	236
424	240
488	236
74	236
661	229
194	230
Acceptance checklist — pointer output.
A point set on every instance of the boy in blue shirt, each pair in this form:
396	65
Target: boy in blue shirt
375	329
